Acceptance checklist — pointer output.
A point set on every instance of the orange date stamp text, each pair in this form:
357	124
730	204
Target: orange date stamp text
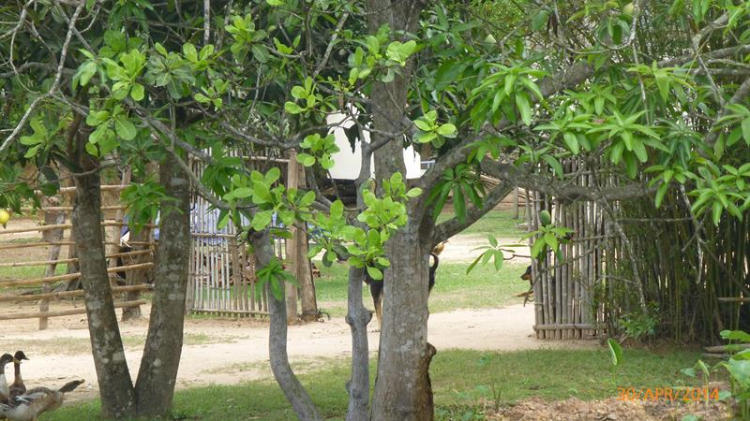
667	394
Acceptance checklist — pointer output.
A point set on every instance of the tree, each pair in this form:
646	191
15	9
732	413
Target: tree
508	89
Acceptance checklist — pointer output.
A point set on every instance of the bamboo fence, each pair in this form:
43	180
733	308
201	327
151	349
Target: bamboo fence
222	277
53	237
565	284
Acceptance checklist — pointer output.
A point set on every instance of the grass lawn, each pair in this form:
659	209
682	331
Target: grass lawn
482	288
498	222
462	382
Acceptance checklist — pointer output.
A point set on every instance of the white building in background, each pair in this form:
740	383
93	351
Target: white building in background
348	163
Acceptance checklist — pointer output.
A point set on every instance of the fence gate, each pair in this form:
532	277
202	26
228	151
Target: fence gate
565	284
222	274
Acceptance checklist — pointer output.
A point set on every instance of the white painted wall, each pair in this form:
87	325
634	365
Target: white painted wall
348	163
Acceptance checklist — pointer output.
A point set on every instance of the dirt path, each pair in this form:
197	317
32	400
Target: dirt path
235	351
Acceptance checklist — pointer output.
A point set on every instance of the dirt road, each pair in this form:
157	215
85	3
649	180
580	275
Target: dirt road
235	351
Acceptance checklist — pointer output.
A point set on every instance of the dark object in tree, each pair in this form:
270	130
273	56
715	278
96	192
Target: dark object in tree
376	286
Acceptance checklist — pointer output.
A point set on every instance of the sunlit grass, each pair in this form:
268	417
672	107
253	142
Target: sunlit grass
482	288
500	223
461	380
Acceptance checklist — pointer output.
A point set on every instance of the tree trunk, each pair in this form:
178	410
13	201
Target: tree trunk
161	356
402	388
277	344
358	317
115	386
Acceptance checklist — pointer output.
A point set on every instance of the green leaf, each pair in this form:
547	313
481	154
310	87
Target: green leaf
375	273
423	125
447	130
415	192
306	159
615	351
293	108
555	164
399	52
261	220
571	141
537	247
337	209
261	194
260	52
746	130
522	102
125	128
662	81
736	335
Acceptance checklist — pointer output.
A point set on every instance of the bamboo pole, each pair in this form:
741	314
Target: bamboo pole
72	190
70	260
52	227
733	299
67	294
65	243
67	277
66	312
51	218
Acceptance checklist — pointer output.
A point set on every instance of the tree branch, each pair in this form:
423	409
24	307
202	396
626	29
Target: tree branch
565	191
453	226
55	84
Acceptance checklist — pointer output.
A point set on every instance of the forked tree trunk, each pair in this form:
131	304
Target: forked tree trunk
277	343
115	386
161	356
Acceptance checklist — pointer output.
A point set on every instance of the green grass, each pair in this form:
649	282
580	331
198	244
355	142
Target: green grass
461	380
497	222
482	288
29	272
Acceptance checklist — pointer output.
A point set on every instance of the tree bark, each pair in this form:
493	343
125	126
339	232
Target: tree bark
161	357
115	386
402	388
357	318
277	343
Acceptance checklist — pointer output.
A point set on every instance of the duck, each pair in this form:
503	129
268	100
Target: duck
36	401
5	359
18	387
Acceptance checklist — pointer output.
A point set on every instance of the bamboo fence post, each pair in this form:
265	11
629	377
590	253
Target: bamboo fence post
292	254
50	218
